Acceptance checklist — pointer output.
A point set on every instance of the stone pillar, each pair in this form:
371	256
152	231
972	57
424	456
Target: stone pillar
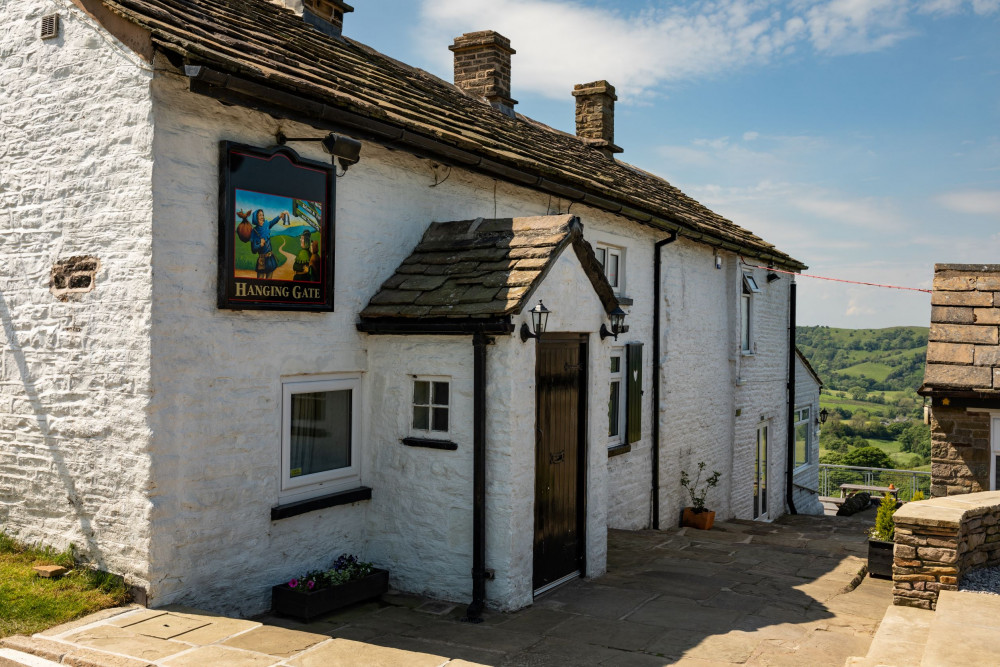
960	450
595	115
482	67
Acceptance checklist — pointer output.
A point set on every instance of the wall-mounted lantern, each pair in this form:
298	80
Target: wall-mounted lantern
617	317
772	276
823	414
539	320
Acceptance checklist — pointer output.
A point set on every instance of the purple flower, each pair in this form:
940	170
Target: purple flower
310	584
293	583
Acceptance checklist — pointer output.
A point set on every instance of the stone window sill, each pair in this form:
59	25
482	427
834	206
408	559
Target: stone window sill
430	443
322	502
618	450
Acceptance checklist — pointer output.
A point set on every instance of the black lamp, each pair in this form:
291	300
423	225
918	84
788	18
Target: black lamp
345	149
617	317
539	320
823	414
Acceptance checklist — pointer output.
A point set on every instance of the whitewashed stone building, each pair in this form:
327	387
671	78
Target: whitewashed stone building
163	434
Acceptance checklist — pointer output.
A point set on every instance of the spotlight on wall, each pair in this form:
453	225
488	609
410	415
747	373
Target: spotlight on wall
617	317
539	320
345	149
772	276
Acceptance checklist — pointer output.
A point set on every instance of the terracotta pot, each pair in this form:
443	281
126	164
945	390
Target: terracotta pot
700	520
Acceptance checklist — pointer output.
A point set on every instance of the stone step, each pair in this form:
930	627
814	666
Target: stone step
900	639
964	631
11	658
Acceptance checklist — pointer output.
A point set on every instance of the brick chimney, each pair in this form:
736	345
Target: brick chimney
325	15
482	67
595	116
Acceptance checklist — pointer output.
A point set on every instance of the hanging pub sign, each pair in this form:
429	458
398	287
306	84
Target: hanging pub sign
276	230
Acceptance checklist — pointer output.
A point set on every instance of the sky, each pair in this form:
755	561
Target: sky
862	137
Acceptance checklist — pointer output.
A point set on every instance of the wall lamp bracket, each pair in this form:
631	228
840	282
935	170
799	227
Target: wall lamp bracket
617	317
539	320
345	149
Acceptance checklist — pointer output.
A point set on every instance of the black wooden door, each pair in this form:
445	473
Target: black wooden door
559	462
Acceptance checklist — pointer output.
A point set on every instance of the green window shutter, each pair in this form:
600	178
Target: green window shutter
633	396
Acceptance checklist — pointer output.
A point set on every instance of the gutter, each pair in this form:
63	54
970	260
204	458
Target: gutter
655	476
280	104
790	456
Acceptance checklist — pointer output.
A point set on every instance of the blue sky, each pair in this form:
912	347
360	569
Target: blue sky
860	136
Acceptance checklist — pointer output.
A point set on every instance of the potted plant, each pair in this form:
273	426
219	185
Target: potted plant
880	540
697	516
322	591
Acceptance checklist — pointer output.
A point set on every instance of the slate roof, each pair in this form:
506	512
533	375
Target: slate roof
483	269
260	41
963	352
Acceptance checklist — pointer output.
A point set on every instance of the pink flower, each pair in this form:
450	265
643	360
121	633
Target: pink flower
293	583
310	584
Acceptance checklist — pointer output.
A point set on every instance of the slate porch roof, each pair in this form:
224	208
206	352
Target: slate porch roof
318	77
483	269
963	349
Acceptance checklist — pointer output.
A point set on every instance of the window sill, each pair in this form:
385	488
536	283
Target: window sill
746	353
322	502
430	443
618	450
624	300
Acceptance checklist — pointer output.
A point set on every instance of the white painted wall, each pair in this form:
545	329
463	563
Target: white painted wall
807	395
75	161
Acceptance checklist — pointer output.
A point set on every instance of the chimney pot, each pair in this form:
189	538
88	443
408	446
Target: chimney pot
595	115
482	67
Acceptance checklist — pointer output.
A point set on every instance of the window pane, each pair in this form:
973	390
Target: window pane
801	444
616	364
421	417
320	432
421	392
612	269
613	409
745	322
440	419
601	256
440	393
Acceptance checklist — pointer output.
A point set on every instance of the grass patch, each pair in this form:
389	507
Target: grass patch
29	603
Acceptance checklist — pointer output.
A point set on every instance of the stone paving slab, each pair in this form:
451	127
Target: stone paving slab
744	593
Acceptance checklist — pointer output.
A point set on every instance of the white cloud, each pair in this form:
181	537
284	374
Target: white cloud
975	202
563	42
870	213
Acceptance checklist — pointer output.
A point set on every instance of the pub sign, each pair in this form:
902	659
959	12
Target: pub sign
276	230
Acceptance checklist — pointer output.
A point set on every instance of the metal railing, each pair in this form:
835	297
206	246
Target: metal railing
907	481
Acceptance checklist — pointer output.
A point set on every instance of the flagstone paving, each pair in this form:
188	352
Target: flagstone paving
782	593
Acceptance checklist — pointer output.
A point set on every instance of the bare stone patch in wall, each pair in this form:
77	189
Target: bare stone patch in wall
74	276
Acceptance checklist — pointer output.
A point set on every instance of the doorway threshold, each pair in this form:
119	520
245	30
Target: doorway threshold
557	583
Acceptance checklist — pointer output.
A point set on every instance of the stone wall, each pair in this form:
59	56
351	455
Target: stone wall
938	541
960	450
75	219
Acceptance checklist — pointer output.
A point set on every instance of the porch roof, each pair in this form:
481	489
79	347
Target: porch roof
482	269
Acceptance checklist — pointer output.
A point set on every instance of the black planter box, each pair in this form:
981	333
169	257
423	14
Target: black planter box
300	603
880	559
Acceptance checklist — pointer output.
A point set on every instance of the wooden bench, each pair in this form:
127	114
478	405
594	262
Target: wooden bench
884	490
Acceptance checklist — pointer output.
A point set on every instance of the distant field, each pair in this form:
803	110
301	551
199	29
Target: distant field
869	369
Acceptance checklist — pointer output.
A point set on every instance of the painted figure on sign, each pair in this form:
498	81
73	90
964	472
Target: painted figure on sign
301	265
260	243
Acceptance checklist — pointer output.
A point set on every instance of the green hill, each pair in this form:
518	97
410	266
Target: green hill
874	359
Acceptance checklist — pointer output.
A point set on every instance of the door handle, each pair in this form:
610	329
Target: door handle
557	458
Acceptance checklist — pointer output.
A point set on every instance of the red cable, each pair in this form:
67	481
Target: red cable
839	280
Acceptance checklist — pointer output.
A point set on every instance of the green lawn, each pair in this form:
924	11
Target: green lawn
29	603
870	369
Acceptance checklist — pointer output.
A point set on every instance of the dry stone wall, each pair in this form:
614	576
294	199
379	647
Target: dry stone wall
960	451
939	540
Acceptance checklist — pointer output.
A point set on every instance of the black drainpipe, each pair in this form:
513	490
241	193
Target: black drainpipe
474	613
656	377
790	482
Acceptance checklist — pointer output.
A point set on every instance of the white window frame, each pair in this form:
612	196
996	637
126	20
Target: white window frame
611	250
622	377
430	433
803	416
328	481
748	288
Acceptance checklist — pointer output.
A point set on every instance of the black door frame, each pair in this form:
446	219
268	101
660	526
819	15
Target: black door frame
583	341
